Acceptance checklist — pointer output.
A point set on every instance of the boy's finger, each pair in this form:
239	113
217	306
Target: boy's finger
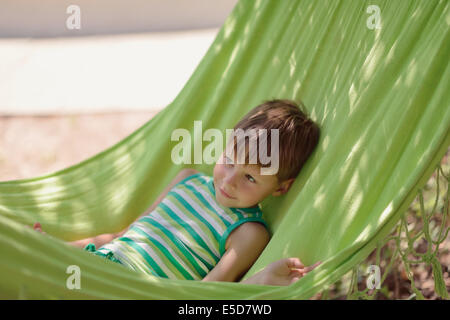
309	268
295	263
294	279
297	272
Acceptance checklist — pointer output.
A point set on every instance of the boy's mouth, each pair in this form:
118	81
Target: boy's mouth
225	194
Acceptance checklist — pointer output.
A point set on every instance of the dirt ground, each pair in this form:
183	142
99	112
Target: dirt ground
34	146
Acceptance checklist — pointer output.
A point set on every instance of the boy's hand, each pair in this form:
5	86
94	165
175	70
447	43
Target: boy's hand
37	226
285	272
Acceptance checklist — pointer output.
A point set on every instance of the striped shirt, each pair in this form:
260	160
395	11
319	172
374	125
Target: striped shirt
185	236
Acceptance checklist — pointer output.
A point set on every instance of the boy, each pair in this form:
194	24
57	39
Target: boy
211	228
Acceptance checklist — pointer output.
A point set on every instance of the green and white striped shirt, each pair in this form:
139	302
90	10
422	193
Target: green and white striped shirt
185	236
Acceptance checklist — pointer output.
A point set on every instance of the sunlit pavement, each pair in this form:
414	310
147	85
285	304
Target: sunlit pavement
127	72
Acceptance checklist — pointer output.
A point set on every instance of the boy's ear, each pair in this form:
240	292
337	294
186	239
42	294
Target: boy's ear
283	187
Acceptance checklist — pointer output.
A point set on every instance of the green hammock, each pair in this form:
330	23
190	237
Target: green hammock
380	95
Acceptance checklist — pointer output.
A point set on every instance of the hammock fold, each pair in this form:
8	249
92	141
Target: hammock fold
381	97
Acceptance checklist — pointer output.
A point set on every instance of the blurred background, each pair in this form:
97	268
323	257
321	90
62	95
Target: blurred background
68	93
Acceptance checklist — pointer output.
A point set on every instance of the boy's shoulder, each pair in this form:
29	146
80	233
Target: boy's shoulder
191	176
188	174
248	231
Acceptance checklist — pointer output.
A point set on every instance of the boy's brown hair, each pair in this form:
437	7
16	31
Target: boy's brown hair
298	134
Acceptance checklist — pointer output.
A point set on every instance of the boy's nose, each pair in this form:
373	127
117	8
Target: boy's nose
230	182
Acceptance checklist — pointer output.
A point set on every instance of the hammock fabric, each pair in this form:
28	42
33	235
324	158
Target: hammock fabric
380	95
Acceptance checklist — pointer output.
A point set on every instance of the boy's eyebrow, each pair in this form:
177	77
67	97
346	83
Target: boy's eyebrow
254	172
247	166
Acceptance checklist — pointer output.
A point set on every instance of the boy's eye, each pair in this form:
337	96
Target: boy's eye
250	178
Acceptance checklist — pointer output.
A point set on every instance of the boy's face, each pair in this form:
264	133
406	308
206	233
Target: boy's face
243	186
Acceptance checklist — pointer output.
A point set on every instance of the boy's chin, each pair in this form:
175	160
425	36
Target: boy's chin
226	202
231	203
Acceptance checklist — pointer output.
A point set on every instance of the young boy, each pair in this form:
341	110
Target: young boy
212	228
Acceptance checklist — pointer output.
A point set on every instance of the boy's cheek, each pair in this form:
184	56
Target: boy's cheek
218	170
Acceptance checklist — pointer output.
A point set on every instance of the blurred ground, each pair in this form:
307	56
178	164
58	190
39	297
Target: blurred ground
34	146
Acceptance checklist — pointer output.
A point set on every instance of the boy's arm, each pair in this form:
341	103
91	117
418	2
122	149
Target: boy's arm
245	245
101	239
